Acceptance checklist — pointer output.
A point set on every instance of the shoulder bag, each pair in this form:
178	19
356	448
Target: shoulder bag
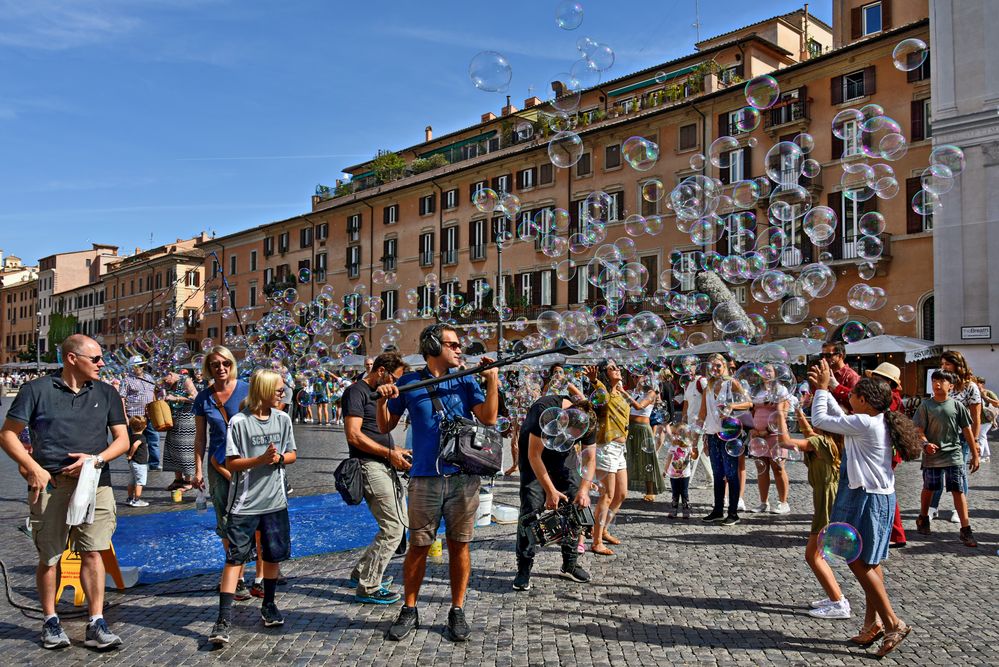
475	449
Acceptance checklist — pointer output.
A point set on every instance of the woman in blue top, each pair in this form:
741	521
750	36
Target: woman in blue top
212	425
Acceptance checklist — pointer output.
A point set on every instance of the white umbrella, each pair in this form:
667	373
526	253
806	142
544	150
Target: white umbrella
887	344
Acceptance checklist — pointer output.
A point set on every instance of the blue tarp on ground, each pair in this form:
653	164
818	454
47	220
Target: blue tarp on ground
176	545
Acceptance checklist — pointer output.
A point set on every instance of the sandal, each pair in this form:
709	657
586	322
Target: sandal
893	639
869	635
601	550
610	539
649	498
176	484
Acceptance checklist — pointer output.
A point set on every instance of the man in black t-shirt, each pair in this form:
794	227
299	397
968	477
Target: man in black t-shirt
550	453
382	491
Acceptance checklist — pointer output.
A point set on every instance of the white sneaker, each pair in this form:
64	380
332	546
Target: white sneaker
138	502
742	505
955	517
760	509
932	513
818	604
130	502
839	609
782	508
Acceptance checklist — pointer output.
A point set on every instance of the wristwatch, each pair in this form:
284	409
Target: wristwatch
281	457
99	462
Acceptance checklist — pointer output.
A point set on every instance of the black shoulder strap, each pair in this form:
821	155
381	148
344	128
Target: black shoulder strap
432	392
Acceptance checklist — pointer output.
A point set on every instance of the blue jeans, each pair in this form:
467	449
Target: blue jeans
726	469
966	451
153	440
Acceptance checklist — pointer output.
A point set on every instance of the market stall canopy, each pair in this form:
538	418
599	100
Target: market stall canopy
913	348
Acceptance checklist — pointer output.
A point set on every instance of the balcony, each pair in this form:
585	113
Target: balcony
786	117
426	259
449	257
477	252
843	251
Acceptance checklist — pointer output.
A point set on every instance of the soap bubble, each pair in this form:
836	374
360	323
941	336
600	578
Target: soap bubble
735	448
840	542
762	92
843	120
720	150
569	15
485	200
582	75
909	54
949	156
905	313
490	72
731	429
652	190
696	161
871	223
853	331
640	153
925	203
811	168
565	149
805	142
867	270
304	275
837	315
794	310
783	163
747	119
549	421
869	247
937	179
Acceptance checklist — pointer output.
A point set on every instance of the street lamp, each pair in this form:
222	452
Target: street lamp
38	336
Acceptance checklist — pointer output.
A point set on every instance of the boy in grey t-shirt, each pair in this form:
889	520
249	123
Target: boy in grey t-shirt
259	443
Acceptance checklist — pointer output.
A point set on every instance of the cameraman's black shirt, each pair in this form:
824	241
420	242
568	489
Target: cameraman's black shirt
554	461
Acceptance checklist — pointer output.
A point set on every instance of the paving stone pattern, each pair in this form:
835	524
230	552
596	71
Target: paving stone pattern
676	593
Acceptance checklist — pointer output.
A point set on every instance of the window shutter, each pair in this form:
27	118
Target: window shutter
573	217
385	250
520	180
725	173
870	80
914	74
385	215
509	182
536	288
836	151
747	163
885	15
913	221
384	315
432	202
573	288
494	184
723	124
856	23
835	202
471	191
916	132
420	301
740	70
619	198
836	89
534	176
553	286
457	196
470	292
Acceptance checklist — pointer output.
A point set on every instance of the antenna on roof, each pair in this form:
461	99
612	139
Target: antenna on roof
697	21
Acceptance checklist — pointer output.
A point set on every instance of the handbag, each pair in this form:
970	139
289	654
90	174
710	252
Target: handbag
475	449
349	480
160	415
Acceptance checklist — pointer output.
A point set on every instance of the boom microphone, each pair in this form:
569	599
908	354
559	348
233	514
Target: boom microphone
728	315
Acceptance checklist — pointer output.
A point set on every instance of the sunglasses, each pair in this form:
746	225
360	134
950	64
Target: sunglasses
452	344
828	355
96	359
219	364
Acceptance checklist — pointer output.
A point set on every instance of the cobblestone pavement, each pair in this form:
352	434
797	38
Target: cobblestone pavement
676	593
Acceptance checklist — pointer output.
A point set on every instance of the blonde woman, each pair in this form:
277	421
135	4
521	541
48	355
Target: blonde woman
612	434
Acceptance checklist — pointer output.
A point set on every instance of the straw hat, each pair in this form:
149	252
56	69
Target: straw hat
887	371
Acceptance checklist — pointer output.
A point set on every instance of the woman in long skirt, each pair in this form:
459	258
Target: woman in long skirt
178	451
645	471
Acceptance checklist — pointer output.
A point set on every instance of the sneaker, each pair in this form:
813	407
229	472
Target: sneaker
381	596
457	626
817	604
138	502
99	636
409	619
576	573
742	505
128	502
730	520
713	517
53	636
242	592
522	582
257	590
839	609
933	513
923	524
762	508
955	517
686	510
220	632
354	583
673	511
271	615
782	508
967	537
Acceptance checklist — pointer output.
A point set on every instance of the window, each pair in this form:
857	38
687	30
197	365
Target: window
232	265
914	222
354	228
390	299
232	298
852	136
582	294
790	107
428	204
920	73
526	282
268	246
283	273
353	261
612	156
390	214
927	319
305	237
390	250
469	151
927	119
427	249
321	265
686	269
688	137
546	174
322	231
525	178
734	169
159	281
729	75
475	187
477	239
547	288
871	17
849	214
451	199
814	48
268	276
283	242
252	295
253	260
449	245
479	292
425	303
583	165
502	184
853	86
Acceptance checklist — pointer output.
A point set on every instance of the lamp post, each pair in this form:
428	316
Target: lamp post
499	301
38	336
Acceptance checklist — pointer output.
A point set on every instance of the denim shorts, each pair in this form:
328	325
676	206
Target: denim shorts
139	471
951	478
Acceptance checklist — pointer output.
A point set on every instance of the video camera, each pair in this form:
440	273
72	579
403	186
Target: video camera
548	526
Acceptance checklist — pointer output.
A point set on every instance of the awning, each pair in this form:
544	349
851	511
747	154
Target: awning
914	348
652	81
458	144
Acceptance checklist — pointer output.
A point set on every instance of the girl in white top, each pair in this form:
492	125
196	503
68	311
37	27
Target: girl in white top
866	495
723	395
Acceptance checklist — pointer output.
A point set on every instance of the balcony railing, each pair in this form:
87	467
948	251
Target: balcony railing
791	111
426	259
841	250
449	256
477	252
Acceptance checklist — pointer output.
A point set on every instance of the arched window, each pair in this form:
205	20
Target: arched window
927	328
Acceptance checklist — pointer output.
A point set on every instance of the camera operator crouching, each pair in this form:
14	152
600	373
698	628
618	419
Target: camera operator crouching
548	481
436	488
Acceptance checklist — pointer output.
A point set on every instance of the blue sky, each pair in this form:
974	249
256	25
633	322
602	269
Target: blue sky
136	122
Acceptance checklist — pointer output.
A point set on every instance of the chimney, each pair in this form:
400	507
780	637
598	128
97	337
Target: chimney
532	102
508	109
428	133
488	116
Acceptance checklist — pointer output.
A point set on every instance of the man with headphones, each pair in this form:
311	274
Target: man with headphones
438	489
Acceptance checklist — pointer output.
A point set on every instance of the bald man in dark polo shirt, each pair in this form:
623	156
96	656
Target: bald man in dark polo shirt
69	415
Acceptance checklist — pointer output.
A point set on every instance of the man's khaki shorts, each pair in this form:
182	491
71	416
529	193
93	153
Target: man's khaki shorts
48	522
456	498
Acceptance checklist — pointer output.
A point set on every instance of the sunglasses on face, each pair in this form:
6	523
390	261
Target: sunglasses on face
452	344
96	359
828	355
219	364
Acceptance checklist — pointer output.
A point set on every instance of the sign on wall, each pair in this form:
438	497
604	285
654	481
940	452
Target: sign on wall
976	333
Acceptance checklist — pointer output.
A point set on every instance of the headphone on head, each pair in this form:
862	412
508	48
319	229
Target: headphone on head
430	341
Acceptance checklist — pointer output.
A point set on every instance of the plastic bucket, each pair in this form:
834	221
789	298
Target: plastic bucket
484	515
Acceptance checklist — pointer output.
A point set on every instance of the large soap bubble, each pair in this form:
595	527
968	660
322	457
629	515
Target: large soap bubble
490	71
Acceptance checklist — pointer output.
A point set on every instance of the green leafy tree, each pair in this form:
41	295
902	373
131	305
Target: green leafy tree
387	166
